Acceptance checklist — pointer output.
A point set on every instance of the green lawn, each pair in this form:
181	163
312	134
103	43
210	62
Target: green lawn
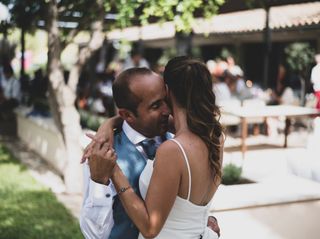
28	210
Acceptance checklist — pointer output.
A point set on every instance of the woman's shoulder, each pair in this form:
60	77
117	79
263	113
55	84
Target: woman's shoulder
168	152
169	146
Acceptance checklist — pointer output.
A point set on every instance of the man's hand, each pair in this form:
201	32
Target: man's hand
213	224
101	162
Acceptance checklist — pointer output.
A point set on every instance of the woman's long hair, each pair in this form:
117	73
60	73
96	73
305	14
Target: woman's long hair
190	82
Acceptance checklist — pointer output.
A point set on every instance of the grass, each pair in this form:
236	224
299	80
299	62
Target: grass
28	210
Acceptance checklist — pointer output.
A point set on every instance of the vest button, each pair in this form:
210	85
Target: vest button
108	195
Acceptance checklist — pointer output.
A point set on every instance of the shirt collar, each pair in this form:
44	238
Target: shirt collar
134	136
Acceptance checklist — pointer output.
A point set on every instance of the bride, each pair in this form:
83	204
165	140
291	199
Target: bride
179	185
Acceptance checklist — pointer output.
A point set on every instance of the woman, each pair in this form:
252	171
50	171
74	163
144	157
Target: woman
178	186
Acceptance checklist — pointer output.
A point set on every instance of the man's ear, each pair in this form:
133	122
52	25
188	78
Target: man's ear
127	115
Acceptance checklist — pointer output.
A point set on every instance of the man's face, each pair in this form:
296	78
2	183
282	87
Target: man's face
152	111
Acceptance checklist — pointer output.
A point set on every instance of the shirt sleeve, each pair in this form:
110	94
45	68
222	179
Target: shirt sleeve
96	218
16	90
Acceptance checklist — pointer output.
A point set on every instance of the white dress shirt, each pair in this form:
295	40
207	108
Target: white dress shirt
96	219
315	77
11	88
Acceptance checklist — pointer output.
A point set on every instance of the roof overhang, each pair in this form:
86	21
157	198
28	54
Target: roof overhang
300	21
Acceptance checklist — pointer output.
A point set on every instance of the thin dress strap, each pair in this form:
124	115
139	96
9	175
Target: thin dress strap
188	166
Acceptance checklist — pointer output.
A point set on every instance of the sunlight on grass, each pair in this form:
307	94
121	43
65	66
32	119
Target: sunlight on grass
27	208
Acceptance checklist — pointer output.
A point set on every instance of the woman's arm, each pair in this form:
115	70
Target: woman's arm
150	216
104	134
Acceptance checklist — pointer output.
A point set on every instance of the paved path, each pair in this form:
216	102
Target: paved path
284	221
280	205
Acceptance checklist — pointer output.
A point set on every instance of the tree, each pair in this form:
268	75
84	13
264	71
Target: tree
299	57
91	15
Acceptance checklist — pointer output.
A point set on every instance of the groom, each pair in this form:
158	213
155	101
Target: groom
140	96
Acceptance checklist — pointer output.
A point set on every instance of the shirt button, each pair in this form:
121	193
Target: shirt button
108	195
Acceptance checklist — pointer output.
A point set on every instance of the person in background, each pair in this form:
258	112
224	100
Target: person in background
283	93
220	88
135	60
10	90
315	79
38	94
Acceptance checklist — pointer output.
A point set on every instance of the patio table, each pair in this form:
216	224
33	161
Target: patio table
248	112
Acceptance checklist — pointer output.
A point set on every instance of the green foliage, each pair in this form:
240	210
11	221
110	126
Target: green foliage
181	12
128	12
168	53
231	174
299	56
225	53
25	13
256	3
28	209
90	120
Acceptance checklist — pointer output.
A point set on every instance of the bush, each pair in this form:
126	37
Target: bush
231	174
90	120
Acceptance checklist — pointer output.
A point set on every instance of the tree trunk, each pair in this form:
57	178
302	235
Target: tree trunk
302	91
62	101
268	45
22	60
63	96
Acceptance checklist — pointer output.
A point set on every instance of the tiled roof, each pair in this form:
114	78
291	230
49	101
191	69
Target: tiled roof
281	17
295	15
149	32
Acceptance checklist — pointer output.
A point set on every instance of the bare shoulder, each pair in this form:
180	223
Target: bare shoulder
167	152
168	147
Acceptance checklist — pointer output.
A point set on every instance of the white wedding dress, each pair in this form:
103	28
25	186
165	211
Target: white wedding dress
186	220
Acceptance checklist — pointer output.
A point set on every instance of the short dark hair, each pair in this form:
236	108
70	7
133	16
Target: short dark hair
122	95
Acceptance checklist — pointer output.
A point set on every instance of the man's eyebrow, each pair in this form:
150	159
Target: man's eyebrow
155	102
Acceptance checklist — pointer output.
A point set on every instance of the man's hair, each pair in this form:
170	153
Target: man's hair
122	95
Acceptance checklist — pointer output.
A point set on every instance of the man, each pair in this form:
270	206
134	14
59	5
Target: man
315	79
135	60
9	99
140	96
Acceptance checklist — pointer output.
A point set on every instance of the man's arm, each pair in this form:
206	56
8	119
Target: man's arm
96	218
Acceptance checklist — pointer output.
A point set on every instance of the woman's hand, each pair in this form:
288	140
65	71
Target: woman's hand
104	134
102	162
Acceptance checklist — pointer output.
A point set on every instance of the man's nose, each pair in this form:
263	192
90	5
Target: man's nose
165	109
